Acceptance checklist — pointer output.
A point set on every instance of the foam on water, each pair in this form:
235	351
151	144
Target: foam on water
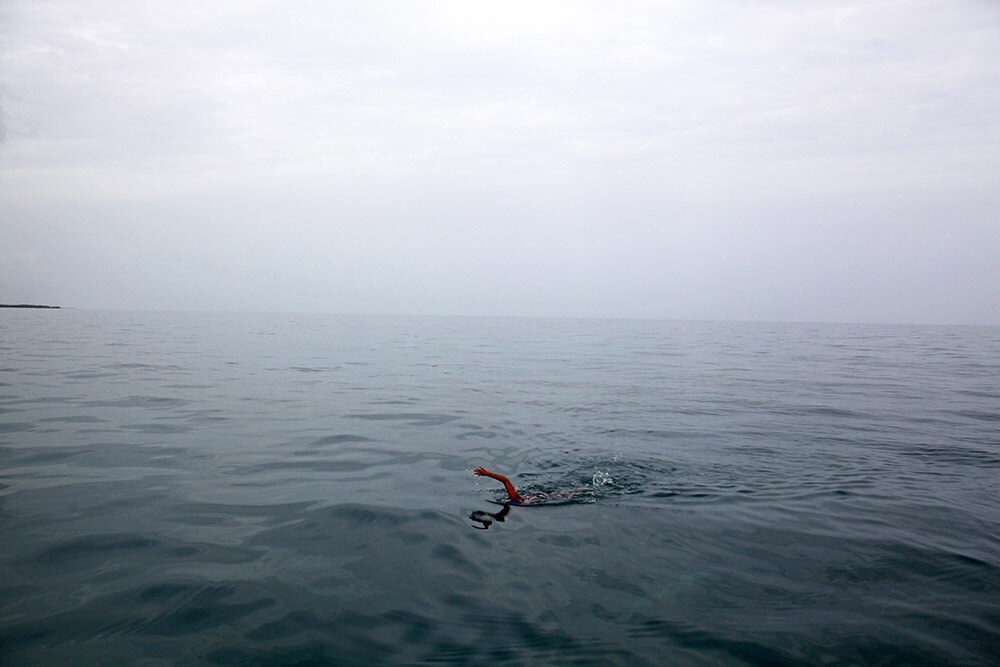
601	478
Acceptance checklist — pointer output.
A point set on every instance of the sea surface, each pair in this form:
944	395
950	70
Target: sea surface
273	489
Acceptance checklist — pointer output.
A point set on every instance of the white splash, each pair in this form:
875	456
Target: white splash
602	478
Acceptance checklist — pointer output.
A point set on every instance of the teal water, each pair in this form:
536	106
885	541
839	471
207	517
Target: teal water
204	488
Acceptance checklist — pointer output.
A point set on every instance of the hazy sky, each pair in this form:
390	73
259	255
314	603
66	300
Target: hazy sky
680	159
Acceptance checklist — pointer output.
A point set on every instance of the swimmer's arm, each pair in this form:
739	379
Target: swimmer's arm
511	491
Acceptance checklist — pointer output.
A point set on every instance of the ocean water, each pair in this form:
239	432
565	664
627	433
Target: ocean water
265	489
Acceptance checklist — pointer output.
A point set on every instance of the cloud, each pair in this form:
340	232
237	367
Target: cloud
398	138
409	91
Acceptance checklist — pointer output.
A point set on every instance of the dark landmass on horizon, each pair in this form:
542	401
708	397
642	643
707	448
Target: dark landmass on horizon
24	305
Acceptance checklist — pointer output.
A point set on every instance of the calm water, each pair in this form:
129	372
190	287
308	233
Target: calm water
296	489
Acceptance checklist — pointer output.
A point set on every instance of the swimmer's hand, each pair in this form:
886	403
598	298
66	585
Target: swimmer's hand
511	491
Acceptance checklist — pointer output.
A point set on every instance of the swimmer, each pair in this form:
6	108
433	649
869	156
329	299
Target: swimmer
516	498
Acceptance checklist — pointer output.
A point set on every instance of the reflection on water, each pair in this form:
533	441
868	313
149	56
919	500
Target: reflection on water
264	489
485	519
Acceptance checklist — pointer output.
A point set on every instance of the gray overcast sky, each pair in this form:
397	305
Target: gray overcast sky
685	159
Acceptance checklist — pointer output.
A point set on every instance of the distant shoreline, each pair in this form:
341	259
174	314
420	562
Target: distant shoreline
24	305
